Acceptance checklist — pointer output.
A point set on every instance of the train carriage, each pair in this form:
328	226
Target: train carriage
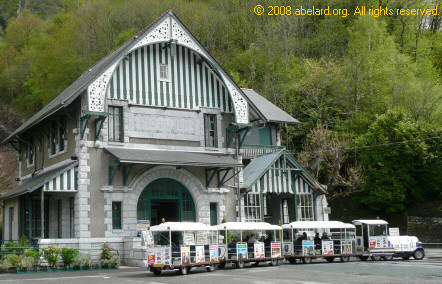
249	242
338	241
181	246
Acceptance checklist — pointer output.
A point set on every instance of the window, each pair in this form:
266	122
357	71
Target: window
305	207
59	212
61	133
116	215
213	214
285	211
164	72
31	152
71	215
57	135
210	130
115	124
252	207
53	136
11	221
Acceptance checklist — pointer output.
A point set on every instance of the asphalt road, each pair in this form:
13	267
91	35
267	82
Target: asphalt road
397	271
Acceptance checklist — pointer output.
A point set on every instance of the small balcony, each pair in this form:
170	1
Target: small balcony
252	151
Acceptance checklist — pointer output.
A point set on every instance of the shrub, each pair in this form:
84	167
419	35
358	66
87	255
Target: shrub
52	255
82	260
106	251
14	260
27	262
68	255
12	245
32	253
115	261
105	263
5	265
24	241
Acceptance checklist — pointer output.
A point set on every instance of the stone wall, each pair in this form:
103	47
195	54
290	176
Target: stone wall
427	229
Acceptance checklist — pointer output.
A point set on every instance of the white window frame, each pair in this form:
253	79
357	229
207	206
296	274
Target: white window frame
162	72
252	207
305	207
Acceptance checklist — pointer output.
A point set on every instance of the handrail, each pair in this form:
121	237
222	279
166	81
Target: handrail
252	151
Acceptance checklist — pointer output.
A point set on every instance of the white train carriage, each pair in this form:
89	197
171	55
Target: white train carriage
181	246
299	243
249	242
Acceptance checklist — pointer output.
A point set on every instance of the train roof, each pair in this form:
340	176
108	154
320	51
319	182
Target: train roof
318	225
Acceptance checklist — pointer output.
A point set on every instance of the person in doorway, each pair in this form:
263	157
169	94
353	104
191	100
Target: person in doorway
325	236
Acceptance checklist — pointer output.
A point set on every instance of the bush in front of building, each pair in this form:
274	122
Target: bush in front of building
68	256
52	255
83	260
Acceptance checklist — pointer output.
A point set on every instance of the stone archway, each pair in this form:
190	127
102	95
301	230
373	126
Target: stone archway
189	181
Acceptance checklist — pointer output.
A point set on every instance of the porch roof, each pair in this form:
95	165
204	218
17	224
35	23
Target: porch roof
172	158
38	181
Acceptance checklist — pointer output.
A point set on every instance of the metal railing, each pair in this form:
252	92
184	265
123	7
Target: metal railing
253	151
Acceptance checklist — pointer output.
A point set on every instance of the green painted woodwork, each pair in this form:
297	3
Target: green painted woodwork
166	190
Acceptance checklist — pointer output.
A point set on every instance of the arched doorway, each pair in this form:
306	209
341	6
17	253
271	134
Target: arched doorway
165	198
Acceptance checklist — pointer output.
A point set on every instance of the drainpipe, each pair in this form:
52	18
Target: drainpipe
238	189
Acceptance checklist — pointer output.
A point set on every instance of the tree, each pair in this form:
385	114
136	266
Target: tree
402	159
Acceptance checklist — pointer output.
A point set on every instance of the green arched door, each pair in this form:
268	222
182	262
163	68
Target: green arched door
165	198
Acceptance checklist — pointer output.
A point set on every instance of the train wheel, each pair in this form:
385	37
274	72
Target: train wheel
418	254
156	271
240	264
184	270
210	268
345	258
274	262
330	259
388	257
376	257
292	260
306	260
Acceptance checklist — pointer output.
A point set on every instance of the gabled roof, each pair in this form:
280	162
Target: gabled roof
258	166
261	164
268	110
89	76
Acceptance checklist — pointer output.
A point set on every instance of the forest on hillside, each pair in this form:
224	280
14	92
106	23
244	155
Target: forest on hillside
367	88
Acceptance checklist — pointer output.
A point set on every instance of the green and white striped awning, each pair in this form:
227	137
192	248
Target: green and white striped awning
58	179
64	182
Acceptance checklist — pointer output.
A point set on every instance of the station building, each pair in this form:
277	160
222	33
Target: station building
156	129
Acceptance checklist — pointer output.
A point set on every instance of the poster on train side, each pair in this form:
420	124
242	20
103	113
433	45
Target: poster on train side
241	249
199	254
308	247
259	250
327	247
213	253
346	247
276	250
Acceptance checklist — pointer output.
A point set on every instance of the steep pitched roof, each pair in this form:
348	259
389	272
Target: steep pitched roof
89	76
269	111
261	164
